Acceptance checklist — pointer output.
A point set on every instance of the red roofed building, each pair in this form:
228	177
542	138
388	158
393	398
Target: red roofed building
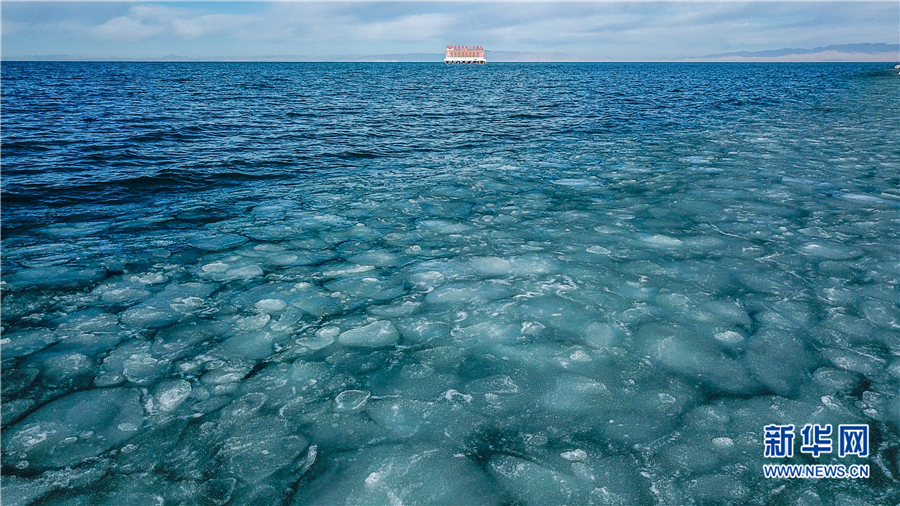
464	54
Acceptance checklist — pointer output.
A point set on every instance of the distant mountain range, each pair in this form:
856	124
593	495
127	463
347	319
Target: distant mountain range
867	52
838	52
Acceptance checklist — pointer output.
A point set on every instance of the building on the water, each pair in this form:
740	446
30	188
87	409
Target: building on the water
464	54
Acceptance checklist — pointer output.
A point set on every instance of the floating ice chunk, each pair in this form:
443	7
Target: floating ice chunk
218	242
328	332
865	199
396	310
169	395
467	293
179	340
717	488
603	335
121	293
254	322
186	305
573	393
215	267
270	306
271	292
312	257
401	417
228	373
606	229
317	304
367	287
530	483
66	370
579	355
348	271
73	428
615	480
453	394
574	455
729	337
854	361
248	346
375	257
351	400
262	447
276	233
598	250
831	251
576	182
242	409
398	474
778	360
675	301
729	311
491	266
23	491
217	491
280	259
662	242
416	371
26	342
533	265
54	277
150	316
158	311
881	313
315	343
836	380
89	321
423	330
723	443
374	335
695	456
74	229
288	323
558	313
108	379
14	409
17	380
695	358
149	278
143	369
444	227
499	384
225	271
532	328
245	272
427	281
489	332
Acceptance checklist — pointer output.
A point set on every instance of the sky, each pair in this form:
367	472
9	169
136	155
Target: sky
598	30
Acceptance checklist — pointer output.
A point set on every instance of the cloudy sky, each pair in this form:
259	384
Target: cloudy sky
624	31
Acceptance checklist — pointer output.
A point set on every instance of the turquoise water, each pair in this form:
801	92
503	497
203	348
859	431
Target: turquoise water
418	283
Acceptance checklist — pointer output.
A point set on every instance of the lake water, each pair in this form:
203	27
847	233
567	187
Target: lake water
536	284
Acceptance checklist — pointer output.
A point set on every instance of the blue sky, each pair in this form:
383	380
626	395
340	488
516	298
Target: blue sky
622	31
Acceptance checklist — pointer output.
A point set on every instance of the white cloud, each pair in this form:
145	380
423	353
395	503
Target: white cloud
410	28
213	24
626	30
161	21
125	28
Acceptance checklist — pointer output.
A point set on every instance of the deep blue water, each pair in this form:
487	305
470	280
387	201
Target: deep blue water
317	283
